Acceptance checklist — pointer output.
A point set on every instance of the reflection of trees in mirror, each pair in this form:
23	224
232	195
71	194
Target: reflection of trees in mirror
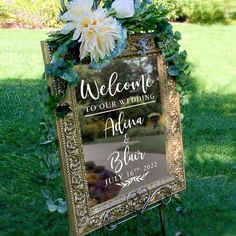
129	70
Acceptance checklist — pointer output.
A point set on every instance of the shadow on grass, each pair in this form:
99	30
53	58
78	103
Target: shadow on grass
20	115
209	133
22	174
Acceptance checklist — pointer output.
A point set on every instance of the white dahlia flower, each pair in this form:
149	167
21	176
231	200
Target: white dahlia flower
95	30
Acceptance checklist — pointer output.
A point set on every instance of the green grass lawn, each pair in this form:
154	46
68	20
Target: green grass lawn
208	205
212	53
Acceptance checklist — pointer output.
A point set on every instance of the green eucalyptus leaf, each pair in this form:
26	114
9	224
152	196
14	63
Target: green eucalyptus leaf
46	194
47	142
50	69
172	58
173	71
70	64
184	100
62	207
107	4
70	76
178	35
169	29
62	49
52	207
44	75
161	45
52	175
51	103
183	55
178	88
147	17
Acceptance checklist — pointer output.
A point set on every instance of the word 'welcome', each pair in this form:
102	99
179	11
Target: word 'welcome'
112	88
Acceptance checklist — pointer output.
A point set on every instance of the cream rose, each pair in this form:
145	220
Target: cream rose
123	8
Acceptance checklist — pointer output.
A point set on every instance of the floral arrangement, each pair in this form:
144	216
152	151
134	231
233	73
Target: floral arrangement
96	31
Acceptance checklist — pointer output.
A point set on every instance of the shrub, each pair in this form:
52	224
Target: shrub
207	12
200	11
179	9
231	9
31	13
5	13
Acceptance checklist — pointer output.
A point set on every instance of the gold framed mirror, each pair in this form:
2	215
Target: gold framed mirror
121	143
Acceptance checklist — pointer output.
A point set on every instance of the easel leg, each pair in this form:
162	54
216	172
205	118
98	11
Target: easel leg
162	219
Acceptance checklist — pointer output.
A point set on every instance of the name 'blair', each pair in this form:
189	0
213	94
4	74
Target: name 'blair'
121	125
112	88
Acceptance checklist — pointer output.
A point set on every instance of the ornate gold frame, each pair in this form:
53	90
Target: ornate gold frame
82	218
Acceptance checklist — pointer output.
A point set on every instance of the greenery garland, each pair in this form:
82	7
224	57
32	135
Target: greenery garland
147	18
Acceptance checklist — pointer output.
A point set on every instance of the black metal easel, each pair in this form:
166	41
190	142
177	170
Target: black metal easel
162	219
160	206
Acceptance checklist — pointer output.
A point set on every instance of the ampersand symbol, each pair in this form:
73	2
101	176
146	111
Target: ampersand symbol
126	139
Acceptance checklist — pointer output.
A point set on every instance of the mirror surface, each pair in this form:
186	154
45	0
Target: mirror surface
122	127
